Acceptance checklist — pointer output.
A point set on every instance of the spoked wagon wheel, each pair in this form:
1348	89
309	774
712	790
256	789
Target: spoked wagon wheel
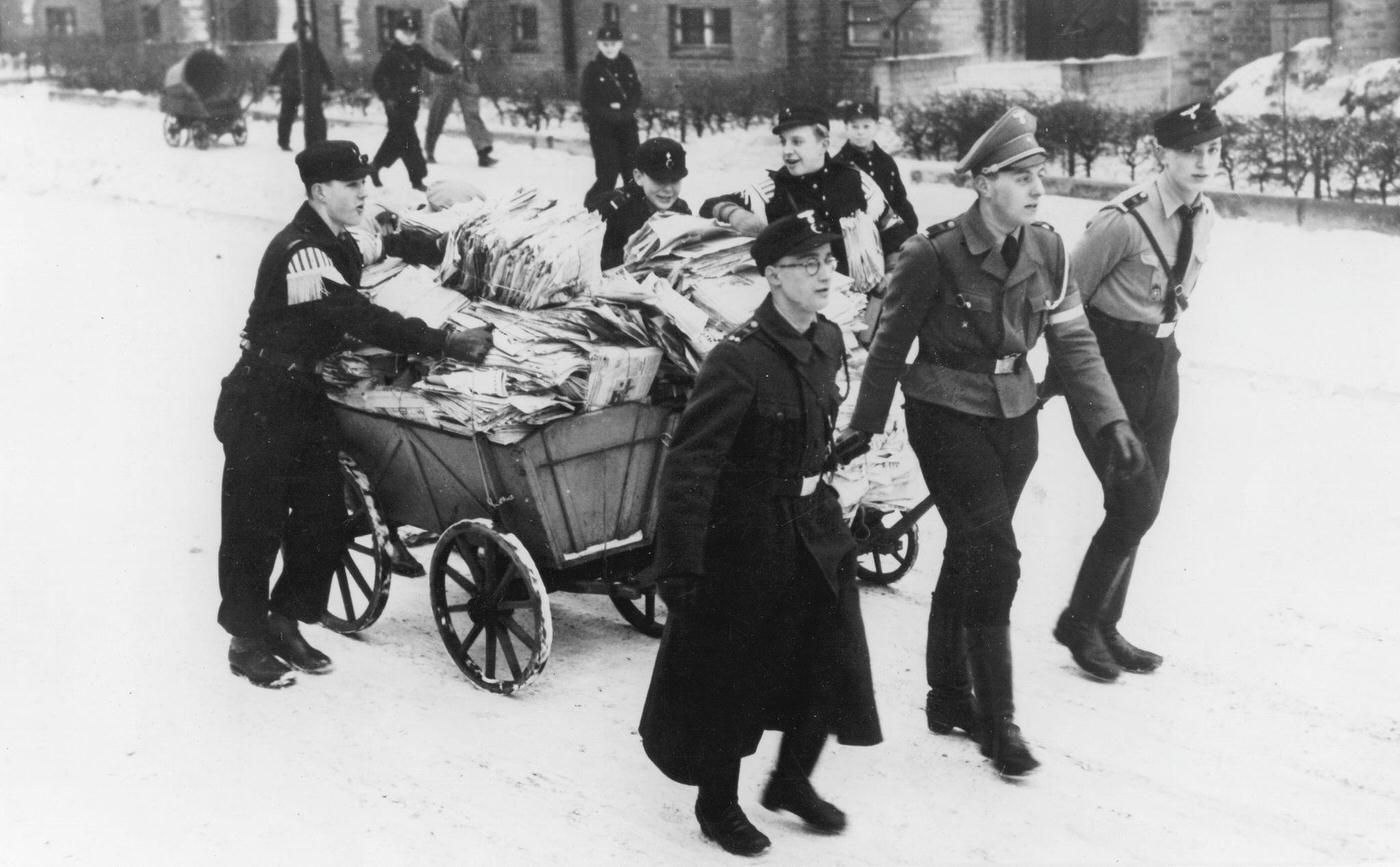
174	133
882	557
360	586
491	607
240	132
647	613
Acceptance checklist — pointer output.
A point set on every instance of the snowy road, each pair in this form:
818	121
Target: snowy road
1270	737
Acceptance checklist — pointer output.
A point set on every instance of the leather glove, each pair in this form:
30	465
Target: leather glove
1126	456
606	204
388	222
470	345
678	590
850	444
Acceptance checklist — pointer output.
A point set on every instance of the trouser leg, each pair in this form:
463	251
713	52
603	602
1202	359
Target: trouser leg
285	118
409	146
439	107
395	140
315	119
989	651
312	543
720	787
627	144
950	703
606	159
471	118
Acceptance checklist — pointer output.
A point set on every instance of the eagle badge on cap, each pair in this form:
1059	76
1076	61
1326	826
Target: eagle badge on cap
1190	111
669	160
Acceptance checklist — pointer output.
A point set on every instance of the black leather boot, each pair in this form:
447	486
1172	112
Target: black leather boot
288	643
484	158
400	560
800	799
989	653
1078	626
252	658
950	703
1130	658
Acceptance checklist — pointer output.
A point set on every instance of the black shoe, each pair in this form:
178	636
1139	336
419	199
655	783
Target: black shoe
285	147
1130	658
401	561
253	658
430	159
732	830
1002	743
1086	645
945	714
288	643
484	158
800	799
419	186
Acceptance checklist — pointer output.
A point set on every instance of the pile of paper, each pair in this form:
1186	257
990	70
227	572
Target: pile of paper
670	234
864	255
413	291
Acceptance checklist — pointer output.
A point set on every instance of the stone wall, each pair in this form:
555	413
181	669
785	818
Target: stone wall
1127	82
909	79
1365	30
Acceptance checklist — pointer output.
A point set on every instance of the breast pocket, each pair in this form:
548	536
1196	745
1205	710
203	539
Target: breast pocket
777	435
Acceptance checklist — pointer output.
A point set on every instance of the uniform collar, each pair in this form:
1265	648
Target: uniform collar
983	242
310	222
810	176
800	346
1171	201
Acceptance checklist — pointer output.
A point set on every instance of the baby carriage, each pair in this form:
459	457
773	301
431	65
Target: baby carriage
200	103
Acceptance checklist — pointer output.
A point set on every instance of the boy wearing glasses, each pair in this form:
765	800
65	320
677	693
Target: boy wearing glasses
755	562
977	292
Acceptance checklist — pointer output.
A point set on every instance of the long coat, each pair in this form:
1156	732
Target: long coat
739	659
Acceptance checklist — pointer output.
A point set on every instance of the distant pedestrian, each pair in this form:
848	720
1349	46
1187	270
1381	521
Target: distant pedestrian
454	38
655	187
1137	265
396	80
609	95
286	74
756	563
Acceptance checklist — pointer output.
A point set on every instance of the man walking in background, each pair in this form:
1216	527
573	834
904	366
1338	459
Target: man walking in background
287	76
453	37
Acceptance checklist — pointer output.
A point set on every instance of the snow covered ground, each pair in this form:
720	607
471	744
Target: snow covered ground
1270	737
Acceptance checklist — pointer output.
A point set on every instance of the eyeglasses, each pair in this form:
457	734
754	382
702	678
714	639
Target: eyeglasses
811	266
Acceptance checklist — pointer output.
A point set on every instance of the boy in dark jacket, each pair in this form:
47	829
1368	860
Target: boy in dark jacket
287	76
862	122
655	186
609	95
396	80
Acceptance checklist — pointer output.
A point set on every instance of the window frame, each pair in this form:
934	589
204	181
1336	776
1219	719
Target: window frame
849	25
60	21
519	43
716	24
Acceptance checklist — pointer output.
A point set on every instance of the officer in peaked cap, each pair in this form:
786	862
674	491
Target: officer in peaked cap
765	631
654	187
282	488
1137	265
977	292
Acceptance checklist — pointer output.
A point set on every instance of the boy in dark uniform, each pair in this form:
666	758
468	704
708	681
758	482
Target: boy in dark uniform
860	150
609	95
396	79
1134	295
286	74
655	187
756	564
977	292
281	485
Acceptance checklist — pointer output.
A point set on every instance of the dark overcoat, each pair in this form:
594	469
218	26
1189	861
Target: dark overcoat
737	661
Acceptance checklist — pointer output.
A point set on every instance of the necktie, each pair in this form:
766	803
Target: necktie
1010	250
1184	243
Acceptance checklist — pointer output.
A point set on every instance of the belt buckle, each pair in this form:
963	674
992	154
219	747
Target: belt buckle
809	485
1005	364
1166	329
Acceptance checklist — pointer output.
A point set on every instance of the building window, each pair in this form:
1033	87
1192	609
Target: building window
865	24
386	17
338	13
524	29
150	22
1291	23
700	27
61	21
612	14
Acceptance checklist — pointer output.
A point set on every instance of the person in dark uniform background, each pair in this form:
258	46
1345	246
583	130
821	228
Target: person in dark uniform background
286	74
609	94
977	292
755	562
1134	296
396	79
655	187
454	38
861	150
281	481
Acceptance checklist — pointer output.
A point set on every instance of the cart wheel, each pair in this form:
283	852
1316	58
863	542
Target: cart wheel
647	614
240	133
174	133
201	136
491	607
360	586
882	557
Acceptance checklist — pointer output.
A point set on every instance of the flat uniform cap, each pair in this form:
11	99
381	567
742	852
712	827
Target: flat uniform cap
801	115
1008	142
787	236
406	23
662	160
332	161
609	33
860	111
1185	127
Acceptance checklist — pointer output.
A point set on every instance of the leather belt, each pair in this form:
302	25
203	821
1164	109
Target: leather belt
973	363
277	358
1159	330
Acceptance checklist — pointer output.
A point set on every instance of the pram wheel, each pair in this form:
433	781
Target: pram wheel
882	557
174	131
240	132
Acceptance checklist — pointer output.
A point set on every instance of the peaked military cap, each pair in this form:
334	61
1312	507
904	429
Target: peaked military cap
801	115
332	161
1010	141
789	235
662	159
609	33
1186	126
860	111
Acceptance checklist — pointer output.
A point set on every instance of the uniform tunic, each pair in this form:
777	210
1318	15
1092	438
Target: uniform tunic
612	132
973	430
1124	286
881	166
624	214
281	481
775	633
